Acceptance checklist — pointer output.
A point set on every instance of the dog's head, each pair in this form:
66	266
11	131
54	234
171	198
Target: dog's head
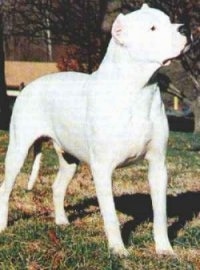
149	36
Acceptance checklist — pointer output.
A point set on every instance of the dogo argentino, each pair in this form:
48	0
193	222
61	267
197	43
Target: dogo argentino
105	119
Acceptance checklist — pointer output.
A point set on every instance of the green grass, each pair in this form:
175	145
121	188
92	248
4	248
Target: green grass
32	240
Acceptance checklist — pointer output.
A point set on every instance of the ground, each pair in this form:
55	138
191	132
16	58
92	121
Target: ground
32	240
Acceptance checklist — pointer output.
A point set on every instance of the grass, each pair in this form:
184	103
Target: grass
32	240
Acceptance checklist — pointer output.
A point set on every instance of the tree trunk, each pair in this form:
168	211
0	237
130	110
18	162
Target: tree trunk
4	105
196	136
196	111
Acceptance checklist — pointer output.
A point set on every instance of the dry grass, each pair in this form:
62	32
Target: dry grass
32	241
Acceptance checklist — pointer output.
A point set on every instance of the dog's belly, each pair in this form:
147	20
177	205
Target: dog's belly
69	129
139	138
69	125
72	142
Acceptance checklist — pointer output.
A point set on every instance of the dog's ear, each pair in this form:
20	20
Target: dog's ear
144	6
118	29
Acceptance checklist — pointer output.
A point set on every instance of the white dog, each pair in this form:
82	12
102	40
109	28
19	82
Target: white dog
105	119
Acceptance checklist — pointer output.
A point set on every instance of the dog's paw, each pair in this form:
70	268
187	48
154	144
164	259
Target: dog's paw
164	248
119	251
62	221
3	226
166	252
29	186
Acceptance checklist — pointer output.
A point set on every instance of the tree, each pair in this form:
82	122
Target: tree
4	105
51	22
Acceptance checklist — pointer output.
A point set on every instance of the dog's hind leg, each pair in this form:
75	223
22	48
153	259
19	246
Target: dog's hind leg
37	148
15	157
65	174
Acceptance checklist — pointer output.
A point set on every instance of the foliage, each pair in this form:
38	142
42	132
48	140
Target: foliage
32	241
75	59
75	23
81	23
65	19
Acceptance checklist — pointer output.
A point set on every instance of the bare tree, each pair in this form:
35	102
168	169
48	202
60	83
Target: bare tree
58	22
4	106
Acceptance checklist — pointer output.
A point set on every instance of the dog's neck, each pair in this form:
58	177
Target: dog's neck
120	66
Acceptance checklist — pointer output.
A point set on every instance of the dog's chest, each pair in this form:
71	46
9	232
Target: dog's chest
139	131
140	135
134	141
127	128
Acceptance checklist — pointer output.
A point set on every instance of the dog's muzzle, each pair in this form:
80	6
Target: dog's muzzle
185	31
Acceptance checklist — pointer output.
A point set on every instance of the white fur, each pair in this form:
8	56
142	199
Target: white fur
35	171
105	119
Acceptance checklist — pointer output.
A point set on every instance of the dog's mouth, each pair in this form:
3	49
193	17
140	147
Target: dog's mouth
186	48
168	61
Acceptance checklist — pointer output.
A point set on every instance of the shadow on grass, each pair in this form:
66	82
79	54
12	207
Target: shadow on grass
183	207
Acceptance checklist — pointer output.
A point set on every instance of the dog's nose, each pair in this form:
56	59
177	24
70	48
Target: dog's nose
184	30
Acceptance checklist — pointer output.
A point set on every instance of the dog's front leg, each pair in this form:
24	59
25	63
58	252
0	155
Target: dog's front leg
103	183
158	186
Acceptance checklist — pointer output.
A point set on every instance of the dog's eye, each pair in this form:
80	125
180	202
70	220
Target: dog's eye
153	28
